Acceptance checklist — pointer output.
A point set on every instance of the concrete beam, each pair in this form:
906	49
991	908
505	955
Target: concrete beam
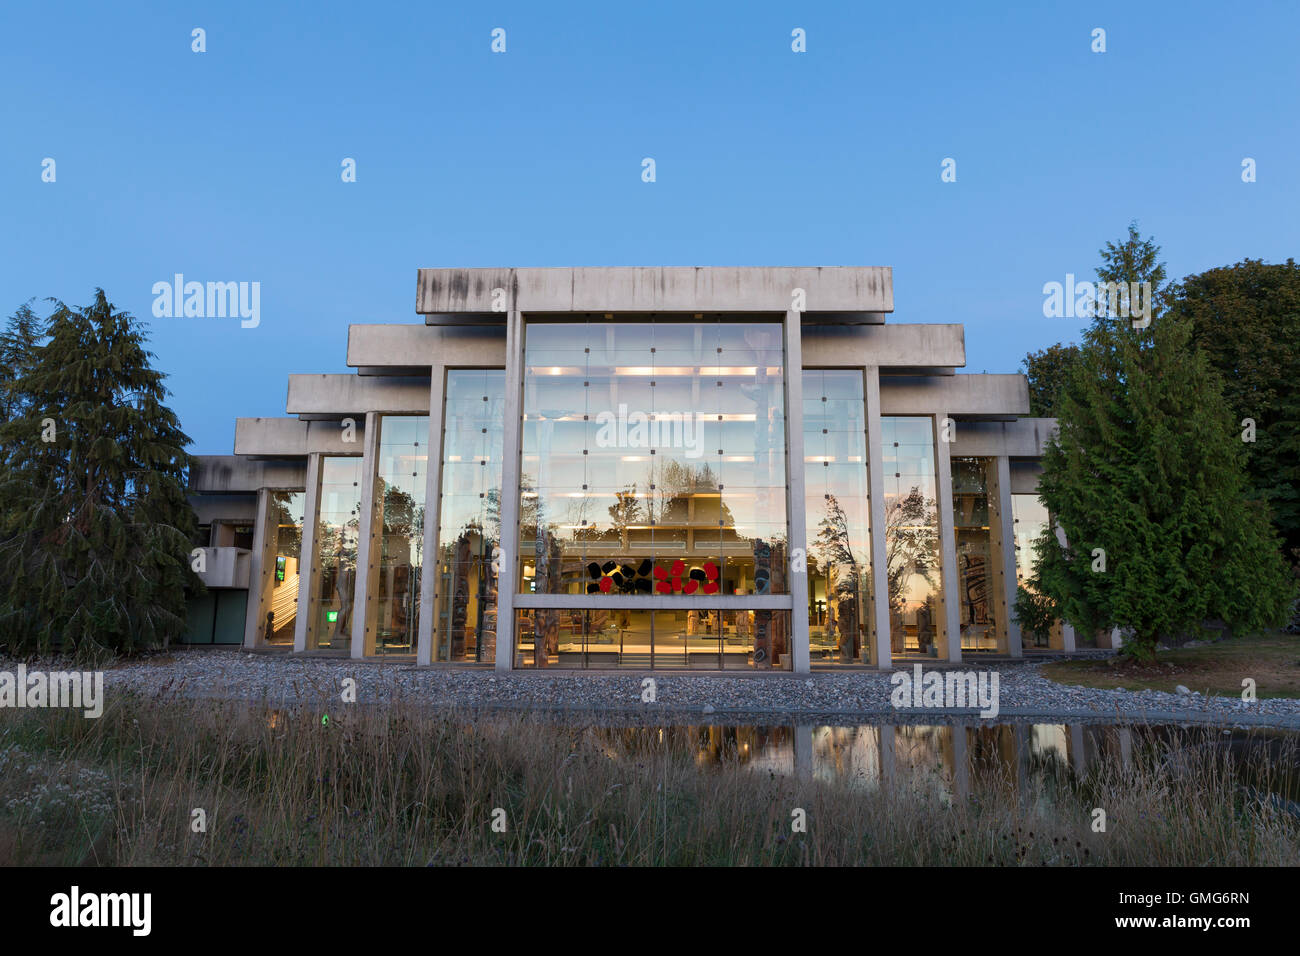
294	438
372	348
1024	477
663	289
957	395
1022	438
885	346
339	395
229	474
236	507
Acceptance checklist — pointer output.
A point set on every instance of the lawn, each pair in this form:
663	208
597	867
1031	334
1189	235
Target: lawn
1271	659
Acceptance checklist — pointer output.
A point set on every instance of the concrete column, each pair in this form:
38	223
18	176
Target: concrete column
1002	544
432	516
876	492
506	586
255	616
307	553
1067	629
796	511
949	590
364	616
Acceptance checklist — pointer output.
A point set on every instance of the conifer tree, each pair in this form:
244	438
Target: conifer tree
1146	478
95	529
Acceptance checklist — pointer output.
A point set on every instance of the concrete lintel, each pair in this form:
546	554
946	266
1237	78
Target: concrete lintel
297	438
231	474
1022	438
344	394
971	394
240	506
885	346
843	289
386	349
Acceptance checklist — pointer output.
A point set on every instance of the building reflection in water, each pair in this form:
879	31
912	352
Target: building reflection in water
946	761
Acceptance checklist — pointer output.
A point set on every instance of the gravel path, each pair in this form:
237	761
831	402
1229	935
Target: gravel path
842	697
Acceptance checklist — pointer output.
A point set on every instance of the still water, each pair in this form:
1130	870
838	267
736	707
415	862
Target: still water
950	758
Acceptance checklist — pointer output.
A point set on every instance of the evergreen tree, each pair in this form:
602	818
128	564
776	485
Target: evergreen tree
95	529
1046	371
1146	478
1246	318
24	331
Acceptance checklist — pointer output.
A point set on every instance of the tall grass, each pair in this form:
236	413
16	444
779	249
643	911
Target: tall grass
405	785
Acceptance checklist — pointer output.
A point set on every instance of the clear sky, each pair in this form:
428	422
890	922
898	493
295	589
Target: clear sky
225	165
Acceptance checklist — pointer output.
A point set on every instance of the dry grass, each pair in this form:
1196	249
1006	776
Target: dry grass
410	787
1272	660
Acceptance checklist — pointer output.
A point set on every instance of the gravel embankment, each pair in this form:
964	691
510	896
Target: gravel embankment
780	698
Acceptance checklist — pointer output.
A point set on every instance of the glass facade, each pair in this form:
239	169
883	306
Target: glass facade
911	535
470	516
838	516
975	556
652	525
334	569
393	612
1030	519
284	545
698	637
653	463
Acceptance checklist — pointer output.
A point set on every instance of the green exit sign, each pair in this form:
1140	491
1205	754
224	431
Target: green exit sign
331	616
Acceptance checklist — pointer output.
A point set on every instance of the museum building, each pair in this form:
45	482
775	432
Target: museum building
714	469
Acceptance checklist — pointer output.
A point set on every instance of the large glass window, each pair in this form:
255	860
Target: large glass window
280	575
400	483
1030	519
334	565
653	463
470	522
699	638
975	588
838	515
911	534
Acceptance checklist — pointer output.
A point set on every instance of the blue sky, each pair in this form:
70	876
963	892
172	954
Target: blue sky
225	165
